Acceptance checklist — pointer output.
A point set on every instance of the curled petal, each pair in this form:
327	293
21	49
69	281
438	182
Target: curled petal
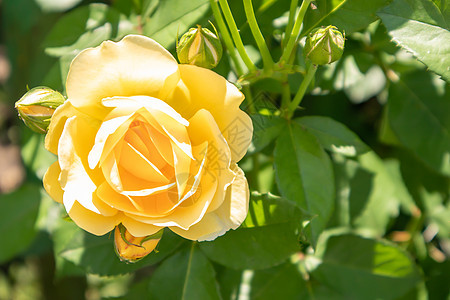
200	88
92	222
136	65
229	215
51	182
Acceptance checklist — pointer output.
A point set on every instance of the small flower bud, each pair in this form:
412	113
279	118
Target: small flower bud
130	248
37	106
200	47
324	45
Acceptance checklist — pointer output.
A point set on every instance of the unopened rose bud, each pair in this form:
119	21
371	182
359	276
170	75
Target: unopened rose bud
324	45
200	47
130	248
37	106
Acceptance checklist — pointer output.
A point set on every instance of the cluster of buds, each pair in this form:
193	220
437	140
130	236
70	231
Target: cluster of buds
37	106
324	45
130	248
200	47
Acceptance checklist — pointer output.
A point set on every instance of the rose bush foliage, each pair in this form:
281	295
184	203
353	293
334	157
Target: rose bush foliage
149	143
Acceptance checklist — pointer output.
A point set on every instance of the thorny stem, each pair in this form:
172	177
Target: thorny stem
235	34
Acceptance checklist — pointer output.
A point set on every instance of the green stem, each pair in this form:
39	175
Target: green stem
235	35
260	42
302	89
287	33
296	31
226	36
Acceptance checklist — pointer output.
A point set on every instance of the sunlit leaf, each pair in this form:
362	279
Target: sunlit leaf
334	136
360	268
418	113
347	15
281	282
174	16
186	275
269	235
304	174
421	28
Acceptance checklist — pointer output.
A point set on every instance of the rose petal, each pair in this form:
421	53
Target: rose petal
158	204
126	183
114	199
210	227
76	179
139	229
229	215
51	182
134	162
92	222
118	126
234	209
126	105
138	136
201	88
59	118
203	127
185	217
136	65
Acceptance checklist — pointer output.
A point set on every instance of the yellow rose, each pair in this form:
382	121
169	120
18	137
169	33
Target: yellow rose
148	143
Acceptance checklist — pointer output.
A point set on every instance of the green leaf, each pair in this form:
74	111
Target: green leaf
267	238
304	174
265	130
56	5
370	193
186	275
96	254
172	17
420	27
334	136
230	280
429	188
418	113
346	15
18	214
62	234
267	209
355	73
281	282
361	268
84	27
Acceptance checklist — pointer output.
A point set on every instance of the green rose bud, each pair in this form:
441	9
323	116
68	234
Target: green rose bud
37	106
200	47
324	45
